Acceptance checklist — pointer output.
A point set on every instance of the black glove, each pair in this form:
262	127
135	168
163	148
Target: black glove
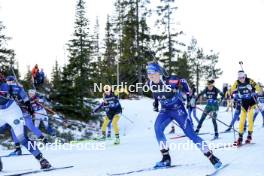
29	108
155	106
219	103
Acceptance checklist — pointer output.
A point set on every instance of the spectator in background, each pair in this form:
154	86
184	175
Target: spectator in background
35	72
41	76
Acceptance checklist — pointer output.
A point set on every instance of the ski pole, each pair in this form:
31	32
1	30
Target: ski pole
131	121
48	115
46	108
217	119
14	74
42	113
203	111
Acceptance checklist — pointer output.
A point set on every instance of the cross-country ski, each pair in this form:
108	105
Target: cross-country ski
46	171
143	170
218	170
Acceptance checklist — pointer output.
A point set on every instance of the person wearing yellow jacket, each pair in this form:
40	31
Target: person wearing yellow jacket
112	107
246	89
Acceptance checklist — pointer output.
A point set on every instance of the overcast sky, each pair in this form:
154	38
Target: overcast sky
235	28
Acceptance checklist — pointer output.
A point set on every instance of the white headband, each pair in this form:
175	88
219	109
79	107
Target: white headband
241	74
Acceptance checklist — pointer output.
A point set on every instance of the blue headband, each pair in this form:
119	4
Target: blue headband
153	68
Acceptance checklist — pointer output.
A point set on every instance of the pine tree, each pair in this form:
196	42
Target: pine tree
108	63
7	56
27	81
168	44
96	38
56	84
56	77
96	57
66	99
212	72
133	37
76	80
143	38
202	66
196	60
183	69
127	62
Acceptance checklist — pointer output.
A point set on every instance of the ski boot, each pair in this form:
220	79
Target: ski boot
1	165
228	129
166	159
17	151
216	137
103	138
213	159
117	140
197	131
249	138
239	141
44	164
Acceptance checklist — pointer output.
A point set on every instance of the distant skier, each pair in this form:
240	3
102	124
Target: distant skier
246	89
237	106
191	104
112	107
172	108
229	100
40	113
224	90
11	114
212	105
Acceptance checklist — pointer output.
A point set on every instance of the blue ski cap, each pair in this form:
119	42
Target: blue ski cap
10	78
153	68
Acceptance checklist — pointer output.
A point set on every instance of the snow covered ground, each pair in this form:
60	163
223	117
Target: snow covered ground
139	149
